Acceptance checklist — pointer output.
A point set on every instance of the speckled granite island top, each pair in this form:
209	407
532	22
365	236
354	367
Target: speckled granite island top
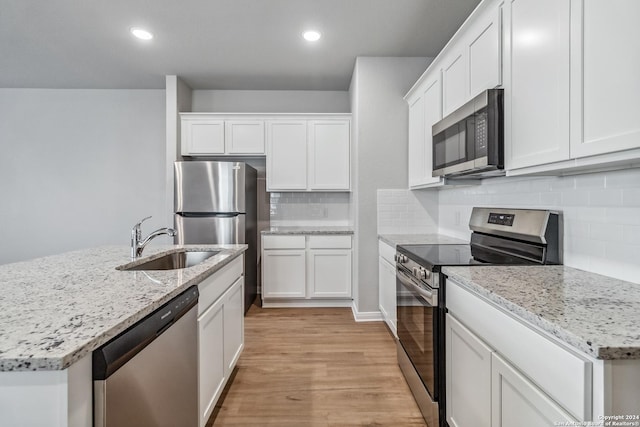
419	239
310	229
57	309
596	314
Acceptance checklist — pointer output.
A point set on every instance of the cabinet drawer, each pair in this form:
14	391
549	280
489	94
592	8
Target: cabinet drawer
329	242
283	242
563	374
387	252
215	285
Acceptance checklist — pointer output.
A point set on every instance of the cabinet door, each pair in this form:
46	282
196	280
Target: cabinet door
330	155
211	364
454	80
283	274
244	136
233	325
518	402
387	294
537	82
605	77
468	377
416	141
202	137
329	273
424	111
483	45
432	113
287	155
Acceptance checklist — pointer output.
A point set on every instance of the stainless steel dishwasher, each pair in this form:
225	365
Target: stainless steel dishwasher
148	375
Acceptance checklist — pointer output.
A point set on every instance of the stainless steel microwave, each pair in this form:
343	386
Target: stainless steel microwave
470	141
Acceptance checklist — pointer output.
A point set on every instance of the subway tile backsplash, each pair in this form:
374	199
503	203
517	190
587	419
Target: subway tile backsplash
312	208
407	212
600	211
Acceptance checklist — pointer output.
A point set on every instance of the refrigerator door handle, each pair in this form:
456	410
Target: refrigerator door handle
209	214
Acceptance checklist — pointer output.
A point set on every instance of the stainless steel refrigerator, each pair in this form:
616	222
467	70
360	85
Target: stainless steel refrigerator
216	203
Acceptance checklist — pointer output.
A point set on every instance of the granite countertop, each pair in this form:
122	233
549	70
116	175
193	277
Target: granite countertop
308	229
596	314
57	309
419	239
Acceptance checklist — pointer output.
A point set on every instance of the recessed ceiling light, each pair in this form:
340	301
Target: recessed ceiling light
311	36
141	33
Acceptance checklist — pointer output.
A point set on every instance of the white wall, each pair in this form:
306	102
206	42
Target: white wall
601	215
270	101
380	155
78	168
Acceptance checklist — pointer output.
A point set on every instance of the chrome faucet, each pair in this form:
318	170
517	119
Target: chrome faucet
138	244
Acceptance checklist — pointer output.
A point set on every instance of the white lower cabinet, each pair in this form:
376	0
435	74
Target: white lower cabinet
284	274
329	273
220	334
306	269
233	325
211	359
516	401
542	383
468	377
387	286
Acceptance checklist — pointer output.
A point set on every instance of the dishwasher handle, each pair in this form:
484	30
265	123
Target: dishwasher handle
108	358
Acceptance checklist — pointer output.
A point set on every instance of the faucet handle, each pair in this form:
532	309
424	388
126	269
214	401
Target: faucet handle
141	221
136	232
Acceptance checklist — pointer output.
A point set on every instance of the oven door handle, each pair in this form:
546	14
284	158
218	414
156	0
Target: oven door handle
429	296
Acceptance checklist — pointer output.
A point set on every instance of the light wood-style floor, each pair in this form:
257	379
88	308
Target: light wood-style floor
316	367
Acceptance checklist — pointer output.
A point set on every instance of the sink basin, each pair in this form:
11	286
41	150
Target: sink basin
172	261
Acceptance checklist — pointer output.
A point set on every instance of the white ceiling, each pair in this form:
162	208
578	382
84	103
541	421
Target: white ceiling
213	44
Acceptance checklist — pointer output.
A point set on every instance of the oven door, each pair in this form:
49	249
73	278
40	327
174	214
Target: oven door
417	326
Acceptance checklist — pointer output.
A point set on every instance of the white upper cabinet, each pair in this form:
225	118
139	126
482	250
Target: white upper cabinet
207	134
244	136
425	109
569	69
309	154
287	155
473	62
329	155
202	136
571	85
537	82
416	140
469	64
484	51
432	95
454	80
605	77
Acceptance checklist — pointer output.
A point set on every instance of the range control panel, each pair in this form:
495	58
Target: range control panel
501	219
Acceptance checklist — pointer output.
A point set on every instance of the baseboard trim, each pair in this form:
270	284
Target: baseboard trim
305	303
366	316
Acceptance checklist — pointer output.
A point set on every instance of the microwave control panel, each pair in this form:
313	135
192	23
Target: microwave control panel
481	131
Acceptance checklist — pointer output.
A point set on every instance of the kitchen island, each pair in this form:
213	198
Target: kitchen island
54	311
560	341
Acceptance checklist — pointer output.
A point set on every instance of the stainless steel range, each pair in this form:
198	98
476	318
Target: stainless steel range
500	236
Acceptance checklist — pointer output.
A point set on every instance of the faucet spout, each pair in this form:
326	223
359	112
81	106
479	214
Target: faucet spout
138	243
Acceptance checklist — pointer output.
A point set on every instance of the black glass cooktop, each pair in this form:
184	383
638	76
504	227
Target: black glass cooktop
435	256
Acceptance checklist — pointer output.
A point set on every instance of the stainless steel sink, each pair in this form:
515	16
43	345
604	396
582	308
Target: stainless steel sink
172	261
